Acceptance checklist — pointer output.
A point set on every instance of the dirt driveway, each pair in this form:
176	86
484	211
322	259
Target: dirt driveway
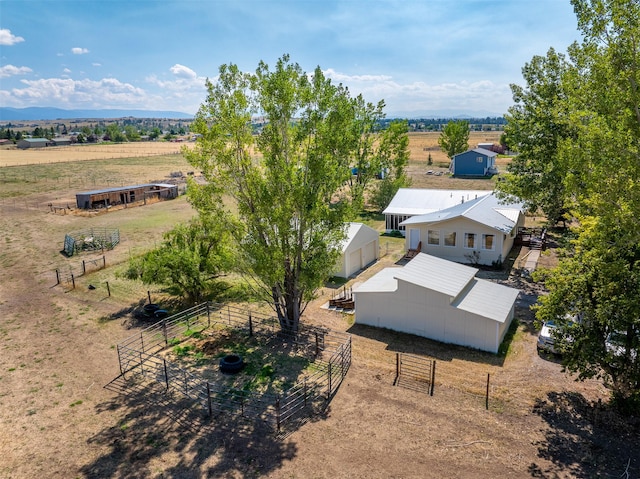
59	421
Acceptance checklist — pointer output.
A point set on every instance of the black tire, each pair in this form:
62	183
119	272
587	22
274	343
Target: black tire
160	314
231	364
150	309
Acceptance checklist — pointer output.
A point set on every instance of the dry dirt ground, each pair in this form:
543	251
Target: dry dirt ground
57	354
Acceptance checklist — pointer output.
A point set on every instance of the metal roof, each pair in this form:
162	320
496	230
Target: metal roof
487	299
486	210
480	151
384	281
420	201
437	274
125	188
352	231
476	296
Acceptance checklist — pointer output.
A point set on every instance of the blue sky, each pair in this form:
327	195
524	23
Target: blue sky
422	57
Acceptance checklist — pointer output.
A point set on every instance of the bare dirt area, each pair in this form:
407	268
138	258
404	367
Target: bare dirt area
64	412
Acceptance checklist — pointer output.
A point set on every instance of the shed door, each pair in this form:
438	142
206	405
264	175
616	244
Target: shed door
369	253
414	238
354	261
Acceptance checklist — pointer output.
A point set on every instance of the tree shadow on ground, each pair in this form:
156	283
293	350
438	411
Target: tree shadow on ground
159	428
583	439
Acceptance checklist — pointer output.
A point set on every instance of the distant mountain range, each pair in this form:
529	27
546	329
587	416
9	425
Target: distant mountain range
48	113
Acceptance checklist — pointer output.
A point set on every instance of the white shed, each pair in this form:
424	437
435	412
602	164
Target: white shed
359	249
437	299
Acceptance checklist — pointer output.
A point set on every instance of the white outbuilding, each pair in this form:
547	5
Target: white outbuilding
359	249
437	299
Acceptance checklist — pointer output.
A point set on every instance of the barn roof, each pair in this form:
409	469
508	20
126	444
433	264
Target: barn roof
420	201
354	230
470	294
126	188
486	210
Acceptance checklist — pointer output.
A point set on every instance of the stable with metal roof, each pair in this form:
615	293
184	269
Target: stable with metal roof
437	299
125	195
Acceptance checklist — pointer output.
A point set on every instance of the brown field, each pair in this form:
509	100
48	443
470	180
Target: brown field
57	352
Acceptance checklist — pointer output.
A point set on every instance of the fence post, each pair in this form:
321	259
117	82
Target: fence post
141	341
73	281
119	359
104	260
166	375
229	313
329	372
250	326
278	412
209	399
486	402
395	382
141	364
57	277
84	268
164	332
108	289
208	315
149	296
433	377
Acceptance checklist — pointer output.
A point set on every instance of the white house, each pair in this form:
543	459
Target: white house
480	231
359	249
409	202
437	299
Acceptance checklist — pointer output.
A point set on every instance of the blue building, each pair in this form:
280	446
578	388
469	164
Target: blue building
476	162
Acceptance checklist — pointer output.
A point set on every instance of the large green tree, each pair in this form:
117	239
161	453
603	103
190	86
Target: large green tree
190	257
454	138
536	125
286	186
596	101
393	156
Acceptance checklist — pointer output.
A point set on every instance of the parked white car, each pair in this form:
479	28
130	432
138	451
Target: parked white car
546	341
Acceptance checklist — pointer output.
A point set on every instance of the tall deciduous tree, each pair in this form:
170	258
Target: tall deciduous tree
393	155
595	104
191	256
536	126
454	138
286	185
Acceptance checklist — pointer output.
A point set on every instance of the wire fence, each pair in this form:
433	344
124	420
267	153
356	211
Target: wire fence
330	350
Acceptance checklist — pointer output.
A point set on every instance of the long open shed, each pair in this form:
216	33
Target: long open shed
125	195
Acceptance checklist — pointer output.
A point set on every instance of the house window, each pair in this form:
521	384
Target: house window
450	239
488	241
434	237
479	159
470	240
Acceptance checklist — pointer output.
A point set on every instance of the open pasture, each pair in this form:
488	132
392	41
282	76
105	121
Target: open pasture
84	152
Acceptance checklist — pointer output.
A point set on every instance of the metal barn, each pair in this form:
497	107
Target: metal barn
124	195
437	299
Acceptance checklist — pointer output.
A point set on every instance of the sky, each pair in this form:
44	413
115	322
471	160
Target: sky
423	58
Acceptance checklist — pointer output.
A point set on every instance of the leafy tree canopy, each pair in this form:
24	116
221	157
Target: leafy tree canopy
454	138
286	187
577	127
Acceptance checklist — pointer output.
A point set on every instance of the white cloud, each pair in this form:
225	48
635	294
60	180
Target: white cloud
68	93
11	70
79	51
66	70
181	71
8	38
95	64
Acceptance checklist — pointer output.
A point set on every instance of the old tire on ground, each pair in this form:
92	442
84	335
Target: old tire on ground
160	314
150	309
231	364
